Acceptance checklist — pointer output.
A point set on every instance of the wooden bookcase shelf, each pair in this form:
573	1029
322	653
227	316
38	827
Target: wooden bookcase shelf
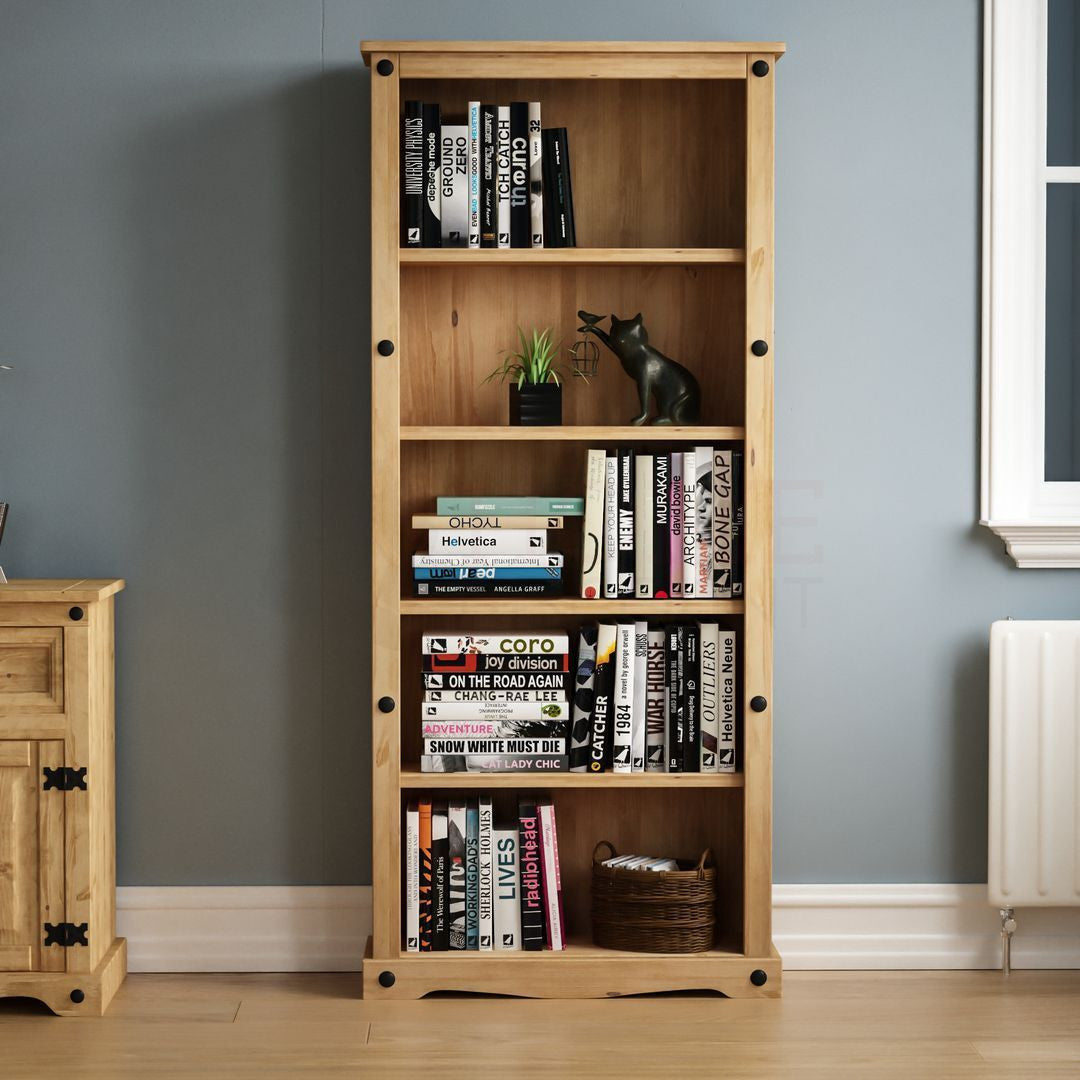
671	147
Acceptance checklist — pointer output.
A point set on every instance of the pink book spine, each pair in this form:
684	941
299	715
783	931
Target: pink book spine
558	876
675	524
550	874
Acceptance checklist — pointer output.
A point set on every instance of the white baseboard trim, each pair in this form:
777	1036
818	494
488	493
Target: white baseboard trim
815	927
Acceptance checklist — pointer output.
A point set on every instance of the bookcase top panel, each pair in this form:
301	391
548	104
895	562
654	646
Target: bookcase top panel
62	590
776	48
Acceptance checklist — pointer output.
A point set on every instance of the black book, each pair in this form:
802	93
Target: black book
412	175
737	528
440	879
520	226
584	696
674	760
489	199
626	524
532	888
558	199
432	204
517	663
456	829
692	716
463	587
661	526
601	740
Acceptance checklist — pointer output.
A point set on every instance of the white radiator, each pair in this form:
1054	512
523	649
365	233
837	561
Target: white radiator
1034	856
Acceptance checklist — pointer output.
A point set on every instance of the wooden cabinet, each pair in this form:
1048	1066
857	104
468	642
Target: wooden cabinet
57	795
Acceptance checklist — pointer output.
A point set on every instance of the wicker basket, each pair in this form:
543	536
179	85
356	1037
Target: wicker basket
662	911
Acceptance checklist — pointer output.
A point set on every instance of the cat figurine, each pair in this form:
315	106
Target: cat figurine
677	393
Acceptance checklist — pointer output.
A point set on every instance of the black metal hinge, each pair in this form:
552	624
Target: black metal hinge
64	779
66	934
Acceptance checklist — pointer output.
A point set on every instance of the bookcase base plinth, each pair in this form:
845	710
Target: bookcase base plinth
577	972
92	990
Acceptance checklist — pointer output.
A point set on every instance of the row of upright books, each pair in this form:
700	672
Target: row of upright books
499	180
471	884
663	525
496	702
491	546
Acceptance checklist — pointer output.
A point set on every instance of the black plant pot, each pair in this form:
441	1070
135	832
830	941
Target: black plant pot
536	405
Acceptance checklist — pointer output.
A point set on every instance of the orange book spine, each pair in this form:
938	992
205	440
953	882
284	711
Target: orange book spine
425	876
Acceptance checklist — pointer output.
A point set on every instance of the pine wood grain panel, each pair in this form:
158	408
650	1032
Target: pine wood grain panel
596	435
34	613
654	164
50	854
576	256
101	793
55	988
83	878
31	670
385	323
410	778
552	65
58	590
526	48
19	853
757	637
457	324
651	609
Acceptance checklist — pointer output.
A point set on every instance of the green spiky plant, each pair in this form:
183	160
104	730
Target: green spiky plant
534	363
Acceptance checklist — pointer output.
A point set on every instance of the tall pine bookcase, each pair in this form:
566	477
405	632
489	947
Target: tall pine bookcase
671	147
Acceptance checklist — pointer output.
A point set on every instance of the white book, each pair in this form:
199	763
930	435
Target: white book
722	518
496	710
455	185
623	699
486	894
637	735
502	177
412	877
495	695
474	174
675	519
548	561
643	525
470	746
727	659
689	579
656	715
611	527
488	541
703	457
507	894
549	861
536	177
710	699
593	525
498	643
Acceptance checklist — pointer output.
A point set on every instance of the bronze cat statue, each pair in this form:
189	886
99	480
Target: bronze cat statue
677	393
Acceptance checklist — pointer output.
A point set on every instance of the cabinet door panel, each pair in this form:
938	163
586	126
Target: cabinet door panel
31	670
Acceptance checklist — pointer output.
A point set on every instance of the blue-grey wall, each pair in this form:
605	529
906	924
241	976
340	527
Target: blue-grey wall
184	291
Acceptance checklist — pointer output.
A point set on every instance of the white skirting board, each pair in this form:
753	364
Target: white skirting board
816	927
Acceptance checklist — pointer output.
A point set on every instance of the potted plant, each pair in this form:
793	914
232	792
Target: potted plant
535	383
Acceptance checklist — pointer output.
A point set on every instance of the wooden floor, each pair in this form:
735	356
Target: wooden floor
841	1024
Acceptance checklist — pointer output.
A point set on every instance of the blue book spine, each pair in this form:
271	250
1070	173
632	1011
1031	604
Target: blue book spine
482	573
472	876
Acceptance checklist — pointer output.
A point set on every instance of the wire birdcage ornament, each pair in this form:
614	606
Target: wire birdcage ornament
584	358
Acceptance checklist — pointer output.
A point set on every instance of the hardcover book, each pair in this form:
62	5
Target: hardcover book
498	643
593	525
456	829
626	524
552	560
486	901
675	705
611	526
432	204
486	521
474	176
488	541
661	540
519	174
491	747
689	525
532	890
703	456
507	894
600	738
495	729
412	877
472	876
491	696
637	736
721	534
495	710
502	177
692	715
623	698
547	587
454	169
412	171
498	681
536	176
655	703
726	679
509	504
643	525
425	876
675	533
489	209
737	495
481	763
710	712
552	884
440	879
485	573
558	196
484	663
584	681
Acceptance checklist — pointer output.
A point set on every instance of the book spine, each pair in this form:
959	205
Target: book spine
432	206
440	879
487	573
474	176
456	829
502	177
661	526
489	209
550	871
507	895
721	528
554	236
412	877
472	876
710	696
489	541
689	527
674	660
558	874
593	525
519	174
626	524
506	643
675	520
727	678
692	718
532	891
514	504
655	702
737	540
493	696
558	196
536	177
501	730
623	698
567	190
703	457
611	526
454	168
498	682
425	875
600	737
643	525
412	171
485	521
482	663
584	693
494	747
487	588
637	736
552	560
496	710
488	763
486	900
